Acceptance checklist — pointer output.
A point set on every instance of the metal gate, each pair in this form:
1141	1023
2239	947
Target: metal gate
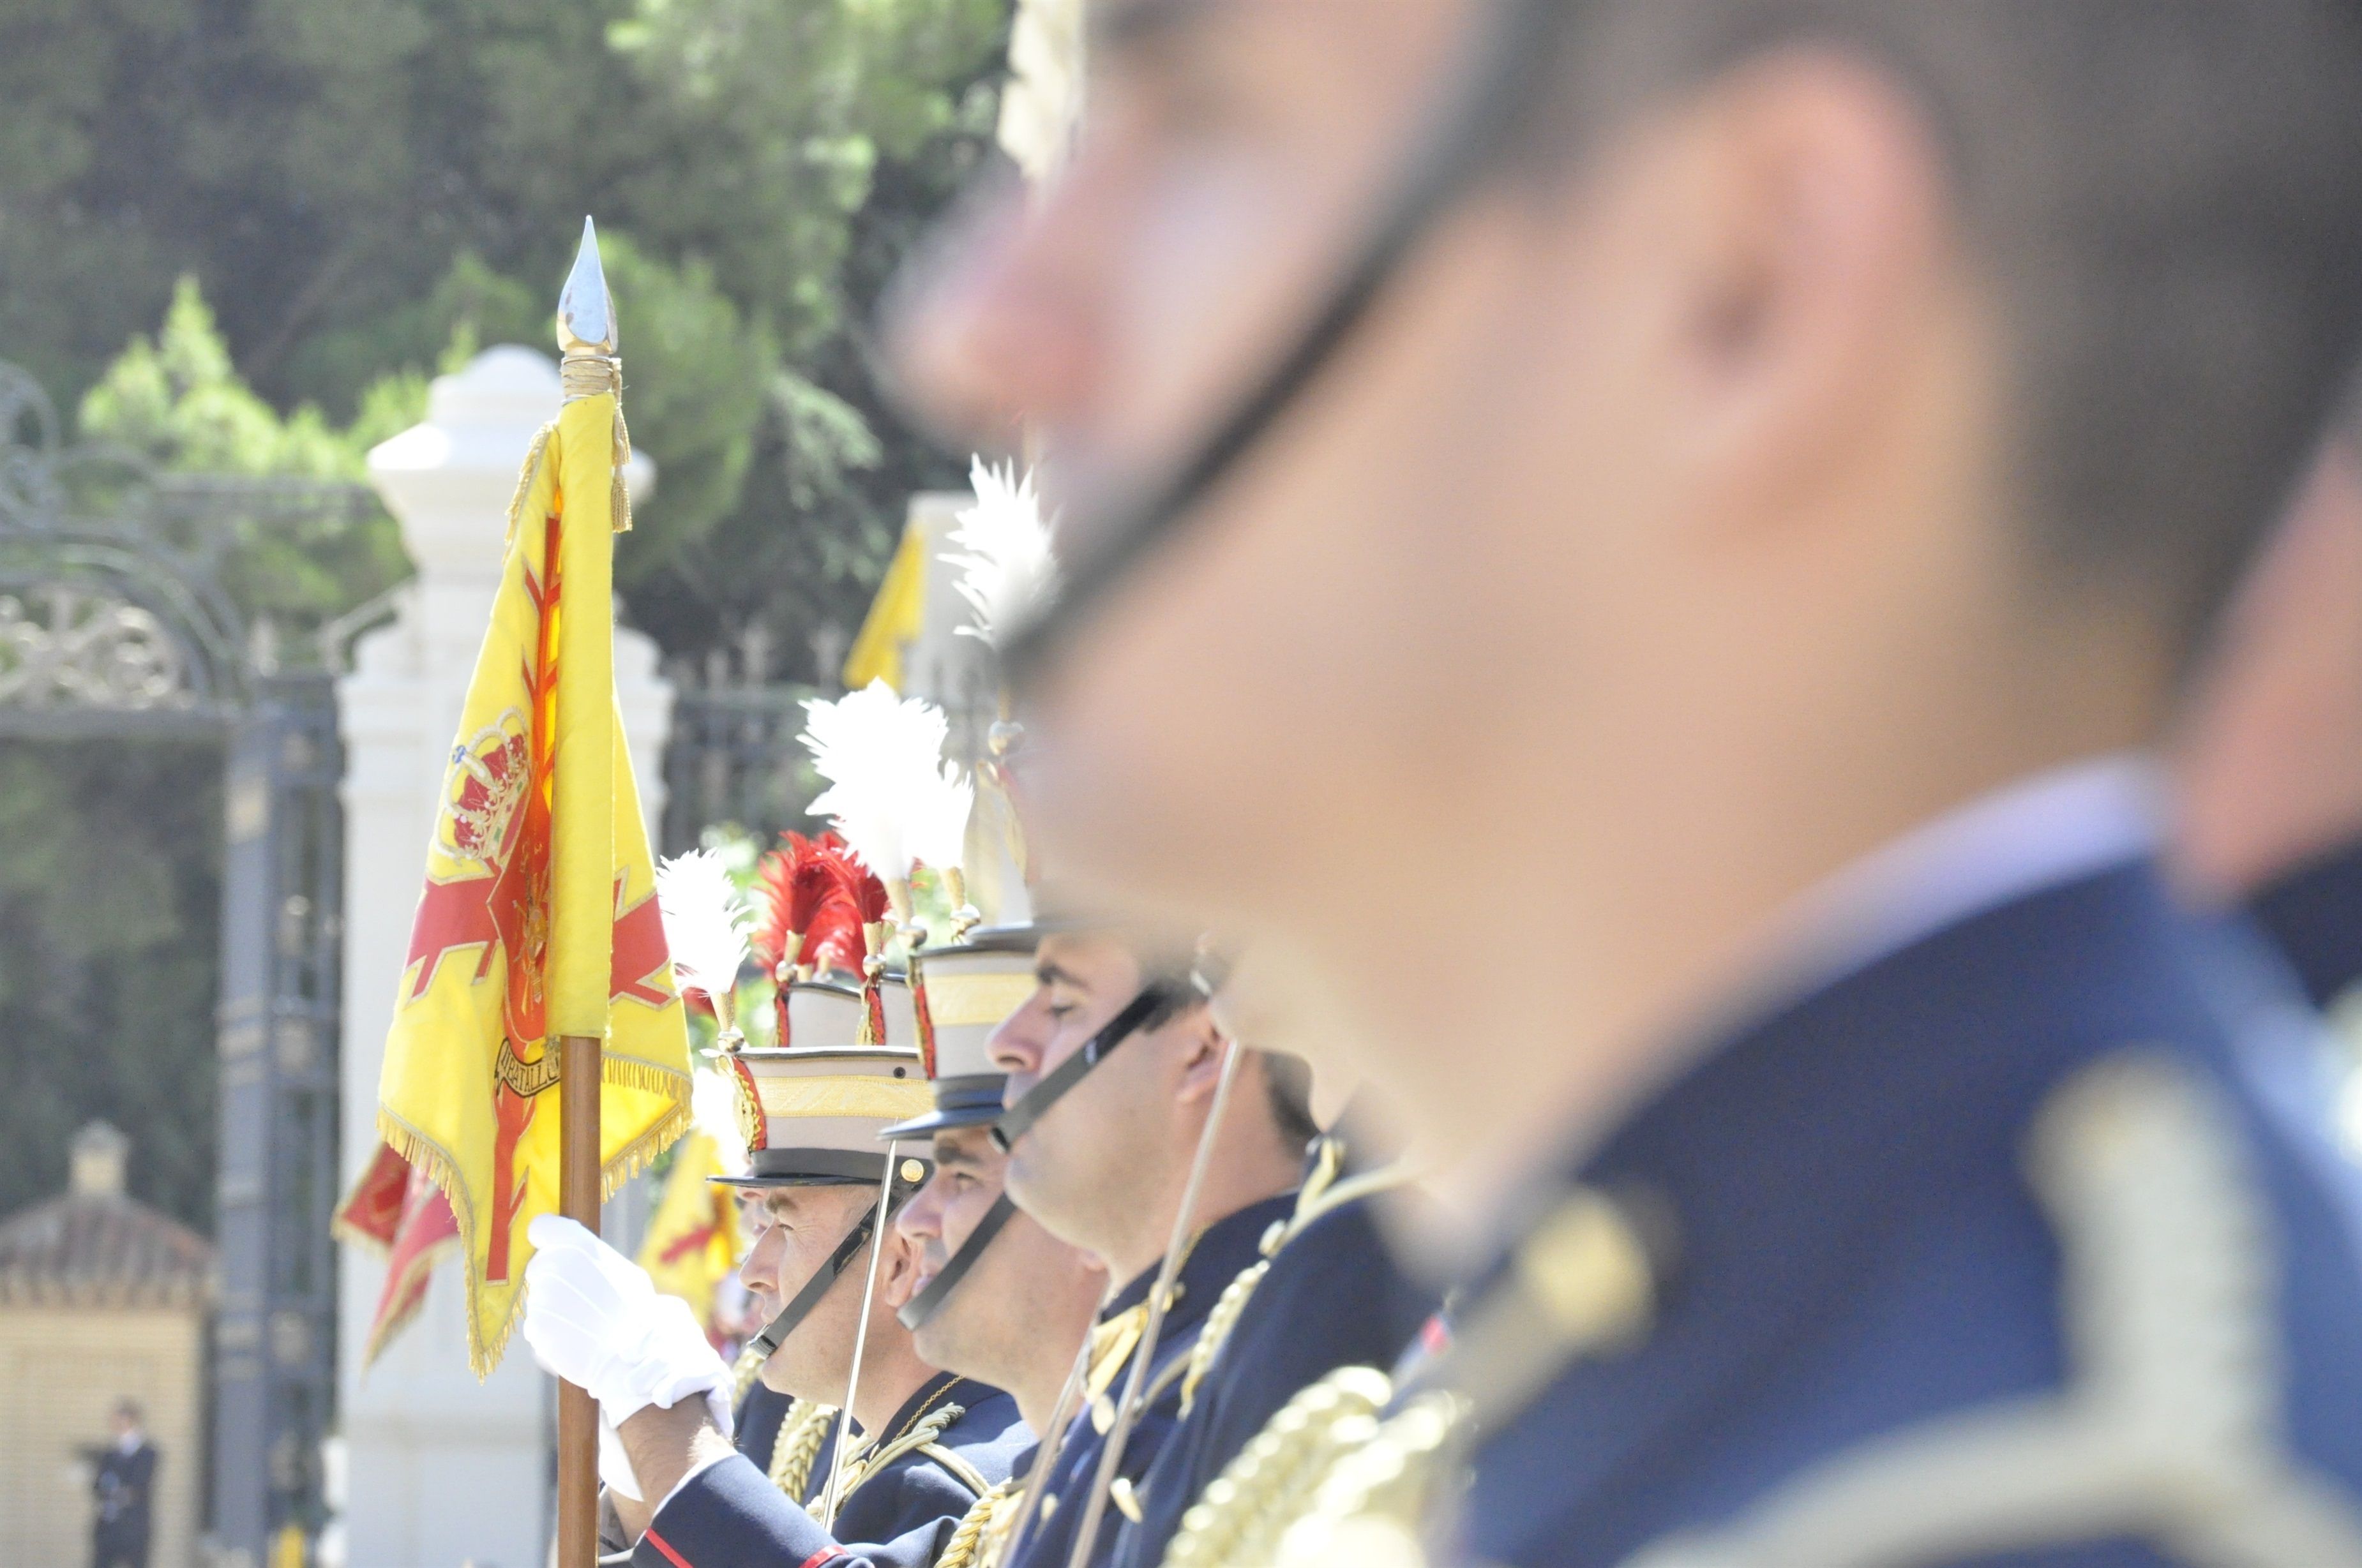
114	622
733	757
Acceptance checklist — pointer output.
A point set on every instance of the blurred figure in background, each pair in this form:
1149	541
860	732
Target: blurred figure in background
1754	473
126	1489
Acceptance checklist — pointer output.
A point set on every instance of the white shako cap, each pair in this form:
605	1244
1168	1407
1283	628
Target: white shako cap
824	1099
827	1011
965	992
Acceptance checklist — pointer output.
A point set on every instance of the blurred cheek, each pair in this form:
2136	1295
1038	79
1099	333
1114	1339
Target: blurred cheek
1202	734
1284	681
1218	259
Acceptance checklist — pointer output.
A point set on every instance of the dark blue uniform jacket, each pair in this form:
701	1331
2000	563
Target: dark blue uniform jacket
1226	1246
759	1419
730	1515
1886	1241
2314	914
1334	1296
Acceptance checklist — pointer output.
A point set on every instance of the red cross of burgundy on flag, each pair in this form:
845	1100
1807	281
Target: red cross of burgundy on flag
469	1093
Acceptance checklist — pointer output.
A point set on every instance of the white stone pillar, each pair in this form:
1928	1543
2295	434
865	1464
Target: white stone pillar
440	1469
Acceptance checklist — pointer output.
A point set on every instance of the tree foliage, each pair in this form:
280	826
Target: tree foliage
108	920
359	184
240	234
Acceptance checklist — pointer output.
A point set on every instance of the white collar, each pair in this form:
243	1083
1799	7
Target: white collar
2038	832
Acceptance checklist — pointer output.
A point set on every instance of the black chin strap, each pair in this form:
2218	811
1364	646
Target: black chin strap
775	1331
1151	1005
1467	133
915	1312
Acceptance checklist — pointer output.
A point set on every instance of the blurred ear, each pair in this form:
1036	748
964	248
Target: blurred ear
1805	246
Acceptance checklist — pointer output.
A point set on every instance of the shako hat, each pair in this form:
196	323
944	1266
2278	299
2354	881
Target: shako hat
963	992
819	1109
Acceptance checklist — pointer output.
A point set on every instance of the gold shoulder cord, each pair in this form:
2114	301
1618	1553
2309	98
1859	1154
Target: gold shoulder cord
802	1431
1249	1506
979	1540
1354	1468
921	1435
743	1374
1322	1193
2170	1428
1216	1329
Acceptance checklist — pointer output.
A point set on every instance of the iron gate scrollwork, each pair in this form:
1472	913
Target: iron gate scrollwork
114	622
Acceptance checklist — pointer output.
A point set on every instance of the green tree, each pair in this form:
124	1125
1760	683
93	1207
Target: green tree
178	402
358	184
108	931
364	193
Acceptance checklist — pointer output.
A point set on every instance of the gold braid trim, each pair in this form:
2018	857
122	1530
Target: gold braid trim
1247	1507
958	1469
1215	1332
528	474
619	499
1383	1487
1111	1344
860	1467
978	1543
1323	1193
802	1431
743	1374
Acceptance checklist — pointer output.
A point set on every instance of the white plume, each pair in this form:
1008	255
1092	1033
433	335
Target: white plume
705	921
1008	571
890	792
714	1104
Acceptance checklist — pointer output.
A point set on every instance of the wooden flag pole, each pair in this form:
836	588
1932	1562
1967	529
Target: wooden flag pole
578	1199
582	929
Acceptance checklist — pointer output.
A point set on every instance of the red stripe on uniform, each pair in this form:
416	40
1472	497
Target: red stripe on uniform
814	1561
661	1544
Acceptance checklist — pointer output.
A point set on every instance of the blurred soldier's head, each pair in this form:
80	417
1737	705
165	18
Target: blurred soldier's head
1017	1315
1804	415
1105	1167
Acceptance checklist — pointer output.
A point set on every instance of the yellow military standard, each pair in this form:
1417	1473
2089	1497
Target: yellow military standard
539	918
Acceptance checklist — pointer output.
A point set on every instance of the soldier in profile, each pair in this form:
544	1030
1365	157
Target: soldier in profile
1753	476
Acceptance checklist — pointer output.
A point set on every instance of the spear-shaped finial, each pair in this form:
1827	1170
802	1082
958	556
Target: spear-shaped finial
586	316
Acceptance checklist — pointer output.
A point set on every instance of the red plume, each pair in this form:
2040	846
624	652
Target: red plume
819	890
862	889
856	899
796	883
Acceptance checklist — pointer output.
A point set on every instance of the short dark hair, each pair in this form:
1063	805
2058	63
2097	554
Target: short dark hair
2168	196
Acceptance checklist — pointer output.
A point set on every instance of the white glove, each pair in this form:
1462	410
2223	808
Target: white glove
594	1318
614	1465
